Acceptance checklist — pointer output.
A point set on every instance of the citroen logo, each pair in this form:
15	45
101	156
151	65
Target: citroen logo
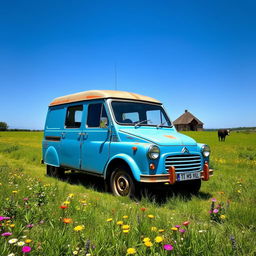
185	150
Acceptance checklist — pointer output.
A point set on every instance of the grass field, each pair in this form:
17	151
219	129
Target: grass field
53	217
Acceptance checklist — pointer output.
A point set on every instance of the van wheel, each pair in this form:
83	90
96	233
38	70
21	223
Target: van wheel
122	183
53	171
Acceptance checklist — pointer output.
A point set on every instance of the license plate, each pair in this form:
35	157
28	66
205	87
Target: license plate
188	176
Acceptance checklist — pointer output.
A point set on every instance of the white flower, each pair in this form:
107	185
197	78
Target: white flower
75	252
12	241
20	243
11	254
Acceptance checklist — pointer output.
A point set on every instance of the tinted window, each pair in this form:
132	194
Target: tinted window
97	116
74	116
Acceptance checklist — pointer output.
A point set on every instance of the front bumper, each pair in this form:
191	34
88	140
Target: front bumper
162	178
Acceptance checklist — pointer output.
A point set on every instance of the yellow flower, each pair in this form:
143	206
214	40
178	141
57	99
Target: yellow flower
120	223
239	191
79	228
28	241
146	239
153	228
109	219
222	216
75	252
125	227
159	239
131	251
14	191
71	195
12	225
161	230
125	217
148	244
151	216
126	230
66	203
174	229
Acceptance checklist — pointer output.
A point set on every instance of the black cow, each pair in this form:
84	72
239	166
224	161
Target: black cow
222	134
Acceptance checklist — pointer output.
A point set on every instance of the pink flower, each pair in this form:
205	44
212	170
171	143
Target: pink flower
214	199
168	247
4	218
182	230
177	226
6	234
215	211
30	226
186	223
26	249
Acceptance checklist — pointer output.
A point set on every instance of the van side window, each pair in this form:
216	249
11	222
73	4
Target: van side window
74	116
97	116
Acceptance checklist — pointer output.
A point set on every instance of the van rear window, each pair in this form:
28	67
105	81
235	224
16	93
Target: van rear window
74	116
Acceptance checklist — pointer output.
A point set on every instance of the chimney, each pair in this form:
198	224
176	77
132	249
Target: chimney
186	110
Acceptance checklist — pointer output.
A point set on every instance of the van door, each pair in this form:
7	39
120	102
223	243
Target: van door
95	146
71	137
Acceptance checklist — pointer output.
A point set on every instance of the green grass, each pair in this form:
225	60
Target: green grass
233	186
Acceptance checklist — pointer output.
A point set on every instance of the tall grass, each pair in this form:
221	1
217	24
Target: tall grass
36	207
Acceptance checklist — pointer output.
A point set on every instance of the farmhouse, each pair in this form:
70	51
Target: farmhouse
188	122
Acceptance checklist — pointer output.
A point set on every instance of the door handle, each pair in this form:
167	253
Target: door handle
84	135
63	134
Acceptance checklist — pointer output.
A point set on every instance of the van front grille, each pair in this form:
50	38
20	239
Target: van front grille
184	163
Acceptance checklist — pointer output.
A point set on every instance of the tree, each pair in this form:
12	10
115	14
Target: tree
3	126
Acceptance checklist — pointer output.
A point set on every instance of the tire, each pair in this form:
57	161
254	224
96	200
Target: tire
122	182
53	171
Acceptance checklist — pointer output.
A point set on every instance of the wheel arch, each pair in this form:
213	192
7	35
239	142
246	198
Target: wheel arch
51	157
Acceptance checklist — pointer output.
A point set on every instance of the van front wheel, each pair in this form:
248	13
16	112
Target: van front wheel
121	182
53	171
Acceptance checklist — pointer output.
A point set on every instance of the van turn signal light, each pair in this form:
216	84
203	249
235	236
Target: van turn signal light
206	174
172	178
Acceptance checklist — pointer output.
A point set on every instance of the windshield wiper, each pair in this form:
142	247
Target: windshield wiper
141	122
159	125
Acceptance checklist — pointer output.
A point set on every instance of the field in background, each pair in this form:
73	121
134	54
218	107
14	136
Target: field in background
67	218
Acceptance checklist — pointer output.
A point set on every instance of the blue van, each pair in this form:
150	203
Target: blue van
123	137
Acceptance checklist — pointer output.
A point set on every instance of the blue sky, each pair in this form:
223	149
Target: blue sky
195	55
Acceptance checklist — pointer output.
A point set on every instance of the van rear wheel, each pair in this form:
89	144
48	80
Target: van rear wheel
53	171
122	183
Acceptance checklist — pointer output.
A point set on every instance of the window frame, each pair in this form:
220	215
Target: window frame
67	109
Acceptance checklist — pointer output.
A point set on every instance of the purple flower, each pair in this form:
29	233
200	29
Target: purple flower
182	230
215	211
30	226
214	199
177	226
26	249
4	218
168	247
6	234
210	211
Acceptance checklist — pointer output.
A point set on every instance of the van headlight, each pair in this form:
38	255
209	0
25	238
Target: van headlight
206	150
153	152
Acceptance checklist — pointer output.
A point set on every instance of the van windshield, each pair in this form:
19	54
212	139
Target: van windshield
140	114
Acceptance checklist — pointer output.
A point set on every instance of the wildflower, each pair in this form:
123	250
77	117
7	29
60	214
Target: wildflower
120	223
222	216
12	225
168	247
177	226
30	226
182	231
125	217
174	229
126	231
63	207
186	223
148	244
25	199
109	220
26	249
143	209
146	239
159	239
75	252
79	228
6	234
66	203
28	241
153	228
161	230
131	251
214	199
11	254
14	191
67	220
239	191
4	218
71	195
125	227
215	211
151	216
13	241
201	231
20	243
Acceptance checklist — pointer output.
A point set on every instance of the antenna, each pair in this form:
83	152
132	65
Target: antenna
115	78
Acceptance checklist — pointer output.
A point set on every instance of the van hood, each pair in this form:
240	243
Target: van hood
160	136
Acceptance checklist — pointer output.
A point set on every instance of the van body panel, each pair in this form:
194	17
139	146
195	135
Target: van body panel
52	157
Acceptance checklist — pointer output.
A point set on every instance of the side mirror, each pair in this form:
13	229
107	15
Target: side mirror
103	122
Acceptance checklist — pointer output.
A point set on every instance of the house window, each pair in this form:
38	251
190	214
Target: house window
74	116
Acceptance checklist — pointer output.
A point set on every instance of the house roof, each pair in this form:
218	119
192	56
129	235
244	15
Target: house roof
186	118
100	94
